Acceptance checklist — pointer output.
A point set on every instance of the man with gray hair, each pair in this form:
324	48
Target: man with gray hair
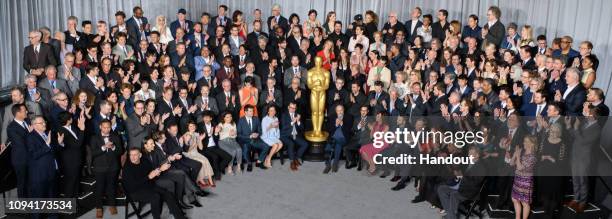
48	39
277	20
38	95
574	96
52	83
37	55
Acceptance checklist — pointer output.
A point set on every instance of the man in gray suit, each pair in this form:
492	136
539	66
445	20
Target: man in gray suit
54	84
270	95
17	96
69	73
295	71
235	41
139	126
205	103
38	95
122	49
586	135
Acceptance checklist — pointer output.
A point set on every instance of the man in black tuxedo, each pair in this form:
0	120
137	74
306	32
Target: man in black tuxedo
438	98
37	55
292	135
574	96
174	146
439	28
339	129
413	24
527	59
137	27
339	39
277	20
337	95
106	150
356	99
92	83
17	132
70	154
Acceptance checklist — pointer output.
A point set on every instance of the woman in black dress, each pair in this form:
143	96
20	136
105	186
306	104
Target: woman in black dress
551	179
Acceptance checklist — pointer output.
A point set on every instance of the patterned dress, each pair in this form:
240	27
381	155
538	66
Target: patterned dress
522	188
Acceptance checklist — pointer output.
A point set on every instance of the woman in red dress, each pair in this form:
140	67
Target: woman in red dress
327	54
369	150
238	20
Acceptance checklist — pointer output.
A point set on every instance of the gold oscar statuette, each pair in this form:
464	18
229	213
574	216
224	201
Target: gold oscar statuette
318	83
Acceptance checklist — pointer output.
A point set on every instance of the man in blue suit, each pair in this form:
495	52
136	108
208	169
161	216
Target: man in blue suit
137	27
339	127
42	162
17	131
292	134
539	105
182	22
249	130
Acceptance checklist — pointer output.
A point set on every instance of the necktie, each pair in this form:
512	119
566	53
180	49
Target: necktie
36	52
538	110
25	125
45	137
293	129
53	84
377	96
250	125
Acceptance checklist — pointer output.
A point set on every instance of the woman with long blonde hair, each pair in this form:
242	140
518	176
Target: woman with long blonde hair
161	26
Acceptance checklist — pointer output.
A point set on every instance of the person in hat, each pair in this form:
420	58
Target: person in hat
181	22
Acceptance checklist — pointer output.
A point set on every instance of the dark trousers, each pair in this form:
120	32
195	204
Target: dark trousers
177	182
351	150
106	185
21	171
155	197
334	147
70	182
189	166
291	143
255	144
450	199
218	159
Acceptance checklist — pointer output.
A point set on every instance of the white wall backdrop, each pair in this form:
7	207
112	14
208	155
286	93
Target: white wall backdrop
584	19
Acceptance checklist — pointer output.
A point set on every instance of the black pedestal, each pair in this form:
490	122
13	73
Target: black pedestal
315	152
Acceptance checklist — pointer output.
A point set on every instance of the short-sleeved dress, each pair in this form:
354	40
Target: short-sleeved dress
522	188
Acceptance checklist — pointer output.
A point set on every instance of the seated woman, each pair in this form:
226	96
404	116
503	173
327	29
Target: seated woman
227	132
369	150
193	142
271	134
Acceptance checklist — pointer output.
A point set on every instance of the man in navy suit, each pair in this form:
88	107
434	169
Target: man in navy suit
92	83
197	39
17	131
292	135
42	162
137	27
539	105
339	128
463	87
574	96
249	130
182	22
221	20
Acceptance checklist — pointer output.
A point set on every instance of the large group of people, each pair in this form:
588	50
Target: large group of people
165	109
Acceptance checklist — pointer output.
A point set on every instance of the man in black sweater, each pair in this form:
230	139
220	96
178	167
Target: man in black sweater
138	176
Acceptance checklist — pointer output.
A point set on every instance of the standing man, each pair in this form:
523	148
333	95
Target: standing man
37	55
181	22
277	20
106	150
494	31
17	132
137	27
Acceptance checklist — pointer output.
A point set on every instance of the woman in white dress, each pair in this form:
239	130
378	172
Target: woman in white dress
161	26
227	133
271	134
194	141
144	93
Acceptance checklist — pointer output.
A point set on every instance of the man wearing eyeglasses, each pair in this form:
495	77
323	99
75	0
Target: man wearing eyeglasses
566	53
37	55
